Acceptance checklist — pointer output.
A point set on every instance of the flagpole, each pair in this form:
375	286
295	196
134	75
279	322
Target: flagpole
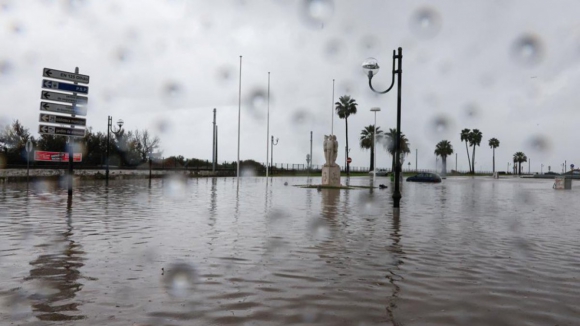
332	111
239	114
268	128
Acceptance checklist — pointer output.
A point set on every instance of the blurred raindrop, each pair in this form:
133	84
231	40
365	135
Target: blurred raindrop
347	87
335	50
173	93
122	55
318	230
317	12
226	74
369	43
176	186
528	50
257	103
162	125
302	118
17	28
425	23
471	111
5	68
538	144
179	280
441	126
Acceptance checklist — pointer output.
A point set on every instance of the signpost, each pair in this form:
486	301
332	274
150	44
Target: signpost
65	75
349	160
51	118
68	120
64	86
28	150
61	97
62	108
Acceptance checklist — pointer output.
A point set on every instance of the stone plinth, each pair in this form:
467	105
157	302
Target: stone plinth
331	175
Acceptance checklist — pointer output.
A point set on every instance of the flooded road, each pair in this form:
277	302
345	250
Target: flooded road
207	252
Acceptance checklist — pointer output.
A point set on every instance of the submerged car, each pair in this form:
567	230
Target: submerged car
380	173
425	177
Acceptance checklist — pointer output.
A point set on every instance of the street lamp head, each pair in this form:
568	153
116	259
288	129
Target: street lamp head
371	67
375	109
120	123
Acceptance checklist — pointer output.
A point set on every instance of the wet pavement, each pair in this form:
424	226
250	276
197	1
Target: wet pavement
209	252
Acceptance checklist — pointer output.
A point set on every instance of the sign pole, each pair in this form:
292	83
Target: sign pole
70	146
28	150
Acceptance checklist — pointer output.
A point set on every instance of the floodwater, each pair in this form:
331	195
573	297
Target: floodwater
207	252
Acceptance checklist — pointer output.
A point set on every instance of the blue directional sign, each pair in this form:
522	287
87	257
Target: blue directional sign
64	86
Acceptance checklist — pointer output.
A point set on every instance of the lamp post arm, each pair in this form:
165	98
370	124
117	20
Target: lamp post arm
370	75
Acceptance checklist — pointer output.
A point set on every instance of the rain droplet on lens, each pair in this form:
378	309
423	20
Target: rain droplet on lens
122	55
425	23
539	143
257	103
5	68
369	43
172	89
317	12
471	111
335	50
163	125
179	280
225	74
302	118
441	125
528	50
347	87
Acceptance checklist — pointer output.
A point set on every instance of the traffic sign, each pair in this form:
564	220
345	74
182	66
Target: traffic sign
65	75
51	118
348	160
62	108
28	146
64	86
56	156
61	131
61	97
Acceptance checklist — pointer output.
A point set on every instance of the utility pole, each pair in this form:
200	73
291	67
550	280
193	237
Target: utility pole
310	164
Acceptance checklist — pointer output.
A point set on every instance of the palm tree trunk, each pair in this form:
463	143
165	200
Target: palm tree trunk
444	168
468	160
473	161
347	164
519	168
494	160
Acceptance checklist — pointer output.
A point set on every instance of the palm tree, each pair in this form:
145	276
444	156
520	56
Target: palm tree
344	108
475	137
465	137
366	141
389	143
493	144
520	157
444	149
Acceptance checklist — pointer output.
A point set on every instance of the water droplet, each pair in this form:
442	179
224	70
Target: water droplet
471	111
257	103
528	50
369	43
173	93
226	74
538	144
441	126
162	125
179	280
335	50
318	230
5	68
425	23
317	12
122	55
347	87
302	118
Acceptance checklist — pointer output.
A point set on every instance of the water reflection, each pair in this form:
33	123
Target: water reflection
58	275
394	275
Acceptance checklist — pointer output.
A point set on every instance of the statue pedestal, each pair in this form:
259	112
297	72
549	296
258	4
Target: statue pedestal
331	175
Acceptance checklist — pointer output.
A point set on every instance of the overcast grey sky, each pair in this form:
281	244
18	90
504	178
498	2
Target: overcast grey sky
509	68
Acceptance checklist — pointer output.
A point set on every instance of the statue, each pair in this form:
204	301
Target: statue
330	170
330	150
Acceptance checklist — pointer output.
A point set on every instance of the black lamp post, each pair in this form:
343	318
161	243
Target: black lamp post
109	130
372	67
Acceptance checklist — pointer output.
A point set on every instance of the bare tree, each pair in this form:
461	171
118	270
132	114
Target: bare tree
146	143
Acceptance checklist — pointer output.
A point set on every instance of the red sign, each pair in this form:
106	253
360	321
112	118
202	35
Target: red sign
348	160
56	156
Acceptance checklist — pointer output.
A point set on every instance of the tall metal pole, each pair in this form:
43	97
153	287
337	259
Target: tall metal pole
213	142
310	163
216	144
332	111
71	143
374	149
397	192
272	153
109	120
529	164
455	161
268	127
239	115
416	159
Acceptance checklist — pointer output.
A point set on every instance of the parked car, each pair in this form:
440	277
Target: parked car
551	173
380	173
425	177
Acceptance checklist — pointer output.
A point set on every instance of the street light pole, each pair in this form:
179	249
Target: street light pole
372	66
375	110
272	151
213	143
268	126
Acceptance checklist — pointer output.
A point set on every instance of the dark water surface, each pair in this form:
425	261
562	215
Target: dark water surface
205	252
